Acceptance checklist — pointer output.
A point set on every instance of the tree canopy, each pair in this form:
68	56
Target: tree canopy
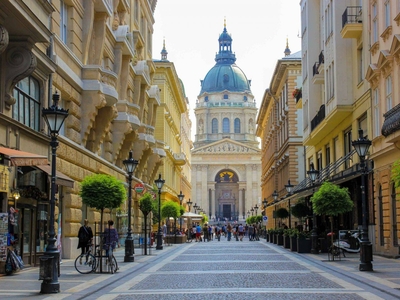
146	203
282	213
170	209
300	209
102	191
331	200
396	173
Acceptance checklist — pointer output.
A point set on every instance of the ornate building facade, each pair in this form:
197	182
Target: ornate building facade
280	127
226	162
97	55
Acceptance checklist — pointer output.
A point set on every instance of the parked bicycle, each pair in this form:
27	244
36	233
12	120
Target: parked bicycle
87	263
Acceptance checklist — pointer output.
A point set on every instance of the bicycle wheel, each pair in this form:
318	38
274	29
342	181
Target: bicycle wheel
85	263
111	264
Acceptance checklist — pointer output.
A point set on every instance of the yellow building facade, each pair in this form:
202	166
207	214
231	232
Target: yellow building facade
279	127
97	55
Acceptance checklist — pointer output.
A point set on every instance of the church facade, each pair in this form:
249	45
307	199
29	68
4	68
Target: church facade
226	158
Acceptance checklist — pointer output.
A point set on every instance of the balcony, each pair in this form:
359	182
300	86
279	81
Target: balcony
352	22
317	77
392	121
179	159
318	118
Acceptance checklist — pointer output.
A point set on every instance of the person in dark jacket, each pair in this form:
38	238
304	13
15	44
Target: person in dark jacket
85	236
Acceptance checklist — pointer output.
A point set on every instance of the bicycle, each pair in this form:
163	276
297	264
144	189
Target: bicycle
111	262
334	251
87	263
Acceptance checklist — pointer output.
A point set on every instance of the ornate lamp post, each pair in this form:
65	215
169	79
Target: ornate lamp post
180	196
195	206
275	195
313	174
130	165
252	211
256	209
189	203
159	183
289	188
362	146
265	203
54	117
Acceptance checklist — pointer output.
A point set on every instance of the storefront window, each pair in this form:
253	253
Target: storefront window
41	228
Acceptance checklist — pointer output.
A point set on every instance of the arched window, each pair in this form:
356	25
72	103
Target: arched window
237	125
27	106
225	125
394	216
380	208
214	126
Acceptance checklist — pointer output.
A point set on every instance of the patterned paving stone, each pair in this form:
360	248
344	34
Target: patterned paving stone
235	280
241	296
251	266
230	257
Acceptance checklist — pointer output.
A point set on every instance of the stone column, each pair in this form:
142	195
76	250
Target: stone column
213	203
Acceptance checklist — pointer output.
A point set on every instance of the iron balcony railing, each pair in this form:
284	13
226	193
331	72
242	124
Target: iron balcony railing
352	14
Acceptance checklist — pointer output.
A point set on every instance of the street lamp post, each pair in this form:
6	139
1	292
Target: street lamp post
252	211
289	188
159	183
313	174
180	196
195	206
362	146
54	117
130	165
256	209
275	196
189	203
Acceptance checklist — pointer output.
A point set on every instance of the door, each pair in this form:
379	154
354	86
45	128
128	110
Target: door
26	241
226	210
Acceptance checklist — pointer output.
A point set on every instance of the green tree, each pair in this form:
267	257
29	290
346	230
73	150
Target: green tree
102	191
146	206
170	209
300	210
331	200
396	173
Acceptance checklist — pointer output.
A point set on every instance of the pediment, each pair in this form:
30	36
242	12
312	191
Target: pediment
226	146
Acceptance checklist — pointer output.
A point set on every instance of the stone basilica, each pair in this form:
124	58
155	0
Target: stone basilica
226	159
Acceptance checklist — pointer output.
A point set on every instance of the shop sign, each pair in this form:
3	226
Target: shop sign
139	188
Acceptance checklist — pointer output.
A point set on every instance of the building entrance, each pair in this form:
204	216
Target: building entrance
226	211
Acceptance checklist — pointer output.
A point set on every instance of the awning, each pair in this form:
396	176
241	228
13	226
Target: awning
21	158
61	179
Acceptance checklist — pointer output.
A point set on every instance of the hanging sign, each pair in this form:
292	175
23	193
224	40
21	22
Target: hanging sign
139	188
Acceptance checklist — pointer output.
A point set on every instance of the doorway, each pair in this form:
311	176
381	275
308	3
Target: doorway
226	211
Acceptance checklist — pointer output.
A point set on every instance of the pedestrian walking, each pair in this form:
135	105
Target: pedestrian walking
85	236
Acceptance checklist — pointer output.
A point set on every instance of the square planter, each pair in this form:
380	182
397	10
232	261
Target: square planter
293	243
286	242
303	245
279	238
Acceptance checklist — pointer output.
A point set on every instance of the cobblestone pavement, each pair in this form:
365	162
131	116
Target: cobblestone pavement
221	270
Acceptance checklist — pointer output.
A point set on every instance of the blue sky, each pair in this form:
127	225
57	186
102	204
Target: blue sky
259	29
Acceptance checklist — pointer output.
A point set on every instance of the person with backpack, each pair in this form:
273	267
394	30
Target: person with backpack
85	236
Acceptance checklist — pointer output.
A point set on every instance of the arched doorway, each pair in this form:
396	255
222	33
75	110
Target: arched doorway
227	195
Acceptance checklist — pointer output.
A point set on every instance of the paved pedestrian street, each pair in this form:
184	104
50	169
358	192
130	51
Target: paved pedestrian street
219	270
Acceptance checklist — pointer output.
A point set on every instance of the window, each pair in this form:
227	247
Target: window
206	99
327	155
226	96
27	106
237	125
387	13
377	115
363	124
394	216
388	82
225	125
380	224
214	126
63	21
360	64
347	146
374	23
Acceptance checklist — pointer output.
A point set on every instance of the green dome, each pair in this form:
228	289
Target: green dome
225	75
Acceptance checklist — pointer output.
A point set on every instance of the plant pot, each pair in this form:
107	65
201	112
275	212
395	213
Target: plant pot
286	242
279	238
303	245
293	243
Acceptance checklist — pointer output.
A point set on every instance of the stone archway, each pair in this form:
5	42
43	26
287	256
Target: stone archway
227	195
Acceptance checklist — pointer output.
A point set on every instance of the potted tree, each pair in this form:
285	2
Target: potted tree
146	206
293	239
286	238
300	210
281	213
303	242
331	200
